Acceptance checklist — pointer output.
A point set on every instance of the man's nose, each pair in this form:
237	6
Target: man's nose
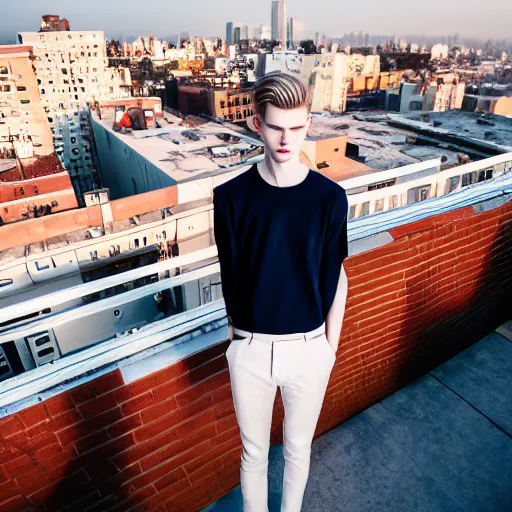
284	137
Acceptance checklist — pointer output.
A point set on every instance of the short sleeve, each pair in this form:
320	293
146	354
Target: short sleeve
334	252
226	248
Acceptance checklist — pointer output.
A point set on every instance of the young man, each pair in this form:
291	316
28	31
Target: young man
281	234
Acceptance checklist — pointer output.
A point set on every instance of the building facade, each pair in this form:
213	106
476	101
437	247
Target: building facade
72	71
24	127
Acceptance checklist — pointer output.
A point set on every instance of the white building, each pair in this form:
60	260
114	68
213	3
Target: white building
439	51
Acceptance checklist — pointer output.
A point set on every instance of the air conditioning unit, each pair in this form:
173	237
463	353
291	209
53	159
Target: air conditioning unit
99	196
43	347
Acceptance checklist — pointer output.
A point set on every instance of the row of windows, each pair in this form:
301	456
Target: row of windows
421	193
236	102
60	37
239	116
136	243
50	82
8	88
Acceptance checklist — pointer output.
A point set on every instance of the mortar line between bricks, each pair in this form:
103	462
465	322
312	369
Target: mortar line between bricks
472	406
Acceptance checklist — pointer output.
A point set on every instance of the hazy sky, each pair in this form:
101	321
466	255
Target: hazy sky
207	17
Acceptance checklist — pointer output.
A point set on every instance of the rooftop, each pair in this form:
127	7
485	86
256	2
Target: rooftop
488	128
157	397
444	442
34	167
380	146
186	152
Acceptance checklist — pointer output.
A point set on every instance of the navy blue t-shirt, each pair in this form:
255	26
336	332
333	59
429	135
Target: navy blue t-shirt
280	250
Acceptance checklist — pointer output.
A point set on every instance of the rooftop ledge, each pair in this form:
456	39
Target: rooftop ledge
161	343
147	419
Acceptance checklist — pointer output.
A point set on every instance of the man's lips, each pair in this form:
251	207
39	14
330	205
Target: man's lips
283	151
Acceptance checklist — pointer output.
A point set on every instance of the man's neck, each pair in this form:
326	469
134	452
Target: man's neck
285	174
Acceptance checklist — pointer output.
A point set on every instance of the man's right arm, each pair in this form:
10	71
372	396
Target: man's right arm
226	248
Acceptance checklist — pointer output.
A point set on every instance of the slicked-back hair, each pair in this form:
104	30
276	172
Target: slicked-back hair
281	90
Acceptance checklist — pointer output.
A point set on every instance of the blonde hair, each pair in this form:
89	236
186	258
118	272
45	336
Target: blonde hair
281	90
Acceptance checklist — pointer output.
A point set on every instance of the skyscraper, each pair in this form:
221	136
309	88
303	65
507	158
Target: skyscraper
282	23
275	19
289	35
237	35
229	32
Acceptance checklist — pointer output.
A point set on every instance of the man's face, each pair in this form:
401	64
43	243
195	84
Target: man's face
283	131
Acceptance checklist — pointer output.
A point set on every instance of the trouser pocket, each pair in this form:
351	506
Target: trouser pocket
234	346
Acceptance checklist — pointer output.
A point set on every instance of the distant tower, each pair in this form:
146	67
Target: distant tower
237	35
275	19
290	33
282	23
229	32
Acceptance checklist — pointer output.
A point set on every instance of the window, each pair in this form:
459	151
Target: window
352	212
4	70
379	205
416	194
393	202
468	179
484	175
25	102
451	184
5	282
365	209
21	88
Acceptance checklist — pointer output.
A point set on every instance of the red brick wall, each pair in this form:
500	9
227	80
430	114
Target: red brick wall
170	441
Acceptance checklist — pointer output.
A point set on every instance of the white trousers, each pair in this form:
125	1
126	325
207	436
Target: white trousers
300	364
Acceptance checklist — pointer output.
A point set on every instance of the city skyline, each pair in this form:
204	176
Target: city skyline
442	18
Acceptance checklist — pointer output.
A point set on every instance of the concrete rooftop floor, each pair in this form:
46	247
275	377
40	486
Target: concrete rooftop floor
441	444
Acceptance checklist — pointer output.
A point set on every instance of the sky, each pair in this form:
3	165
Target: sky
131	18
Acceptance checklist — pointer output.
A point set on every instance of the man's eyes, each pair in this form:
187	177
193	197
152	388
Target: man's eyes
294	129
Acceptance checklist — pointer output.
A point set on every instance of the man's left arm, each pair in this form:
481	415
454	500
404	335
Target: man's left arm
334	320
333	278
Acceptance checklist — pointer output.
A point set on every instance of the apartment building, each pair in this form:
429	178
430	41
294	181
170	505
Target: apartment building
24	130
72	71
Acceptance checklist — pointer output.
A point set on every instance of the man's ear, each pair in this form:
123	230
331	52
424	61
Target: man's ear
308	124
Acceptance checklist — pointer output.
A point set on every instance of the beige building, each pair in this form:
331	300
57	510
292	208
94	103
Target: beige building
235	106
336	74
443	97
23	124
72	71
